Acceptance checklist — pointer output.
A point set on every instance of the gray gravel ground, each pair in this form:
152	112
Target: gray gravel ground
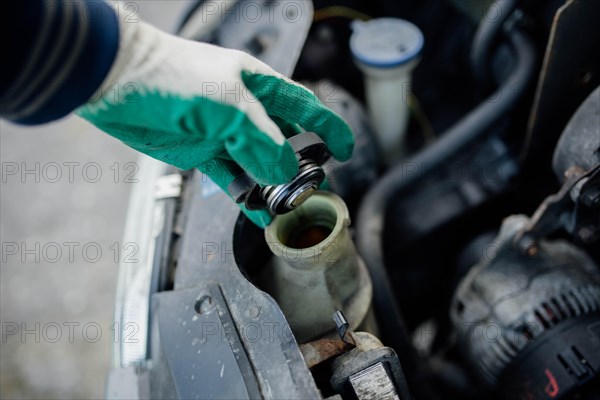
56	290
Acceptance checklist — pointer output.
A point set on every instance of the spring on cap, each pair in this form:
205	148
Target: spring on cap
311	152
284	198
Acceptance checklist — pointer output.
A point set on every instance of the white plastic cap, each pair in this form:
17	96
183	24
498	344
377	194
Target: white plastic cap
385	42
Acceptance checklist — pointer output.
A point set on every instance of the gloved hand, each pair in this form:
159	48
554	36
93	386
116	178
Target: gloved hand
195	105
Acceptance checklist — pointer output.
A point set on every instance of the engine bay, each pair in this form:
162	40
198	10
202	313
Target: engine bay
455	255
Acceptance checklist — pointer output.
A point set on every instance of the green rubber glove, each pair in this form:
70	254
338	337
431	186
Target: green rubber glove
195	105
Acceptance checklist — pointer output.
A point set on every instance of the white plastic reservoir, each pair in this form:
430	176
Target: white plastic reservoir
387	50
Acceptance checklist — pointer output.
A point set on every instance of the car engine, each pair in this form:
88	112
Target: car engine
454	256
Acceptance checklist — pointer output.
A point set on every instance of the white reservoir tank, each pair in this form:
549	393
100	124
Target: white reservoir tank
387	50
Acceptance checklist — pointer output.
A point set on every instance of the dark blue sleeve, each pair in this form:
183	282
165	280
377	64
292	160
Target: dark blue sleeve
55	55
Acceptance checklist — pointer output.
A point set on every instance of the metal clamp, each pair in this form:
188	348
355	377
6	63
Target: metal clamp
576	208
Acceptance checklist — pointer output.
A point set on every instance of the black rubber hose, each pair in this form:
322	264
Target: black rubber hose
371	215
188	14
488	31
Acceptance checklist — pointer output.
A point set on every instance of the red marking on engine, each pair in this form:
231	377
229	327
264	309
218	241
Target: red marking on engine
552	386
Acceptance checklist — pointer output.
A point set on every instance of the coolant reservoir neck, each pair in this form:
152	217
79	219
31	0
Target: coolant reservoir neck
316	269
316	234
